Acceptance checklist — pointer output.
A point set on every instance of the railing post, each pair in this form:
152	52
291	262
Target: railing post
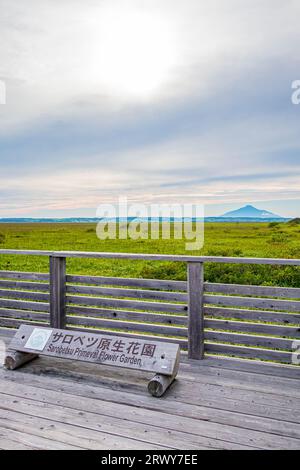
57	292
195	276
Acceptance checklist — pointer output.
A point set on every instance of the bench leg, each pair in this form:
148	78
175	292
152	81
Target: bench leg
15	359
159	384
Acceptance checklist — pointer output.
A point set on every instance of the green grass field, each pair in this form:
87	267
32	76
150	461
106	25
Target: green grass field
221	239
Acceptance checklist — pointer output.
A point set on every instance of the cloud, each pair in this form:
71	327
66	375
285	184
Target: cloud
156	99
61	55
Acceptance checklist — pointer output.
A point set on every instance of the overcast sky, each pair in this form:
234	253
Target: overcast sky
156	100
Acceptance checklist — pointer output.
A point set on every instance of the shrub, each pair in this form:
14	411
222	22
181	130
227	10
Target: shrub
273	224
294	222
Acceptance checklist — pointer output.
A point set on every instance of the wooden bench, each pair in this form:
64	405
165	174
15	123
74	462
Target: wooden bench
128	352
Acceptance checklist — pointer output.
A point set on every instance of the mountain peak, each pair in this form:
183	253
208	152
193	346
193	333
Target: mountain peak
251	212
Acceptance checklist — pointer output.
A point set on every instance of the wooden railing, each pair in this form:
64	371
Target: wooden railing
253	322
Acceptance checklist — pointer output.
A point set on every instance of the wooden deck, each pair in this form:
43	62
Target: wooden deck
214	404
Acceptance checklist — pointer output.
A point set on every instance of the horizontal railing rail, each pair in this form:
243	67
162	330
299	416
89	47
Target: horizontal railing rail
245	321
153	257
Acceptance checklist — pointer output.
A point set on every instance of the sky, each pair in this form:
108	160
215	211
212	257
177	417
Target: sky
161	101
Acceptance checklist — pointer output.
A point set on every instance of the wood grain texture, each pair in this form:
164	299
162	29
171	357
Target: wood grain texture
250	340
57	292
206	407
32	286
24	276
15	359
126	304
144	355
128	326
128	282
129	293
65	434
258	291
24	295
129	315
13	323
25	305
254	315
24	315
183	343
248	352
268	304
195	311
257	328
150	257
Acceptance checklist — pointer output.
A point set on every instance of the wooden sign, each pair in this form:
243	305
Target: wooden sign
128	352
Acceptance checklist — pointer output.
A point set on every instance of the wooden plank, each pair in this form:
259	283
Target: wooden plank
129	428
13	323
274	393
255	315
289	305
6	332
141	431
151	257
241	351
246	395
258	291
127	326
25	305
24	276
24	314
138	294
24	295
128	315
182	342
7	443
285	391
244	415
220	365
257	328
249	340
57	292
68	434
129	282
180	258
126	304
33	441
279	413
195	311
33	286
27	252
118	417
143	355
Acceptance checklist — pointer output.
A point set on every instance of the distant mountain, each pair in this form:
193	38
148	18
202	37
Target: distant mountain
245	214
251	212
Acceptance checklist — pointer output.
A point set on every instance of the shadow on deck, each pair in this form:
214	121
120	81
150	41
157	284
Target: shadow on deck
213	404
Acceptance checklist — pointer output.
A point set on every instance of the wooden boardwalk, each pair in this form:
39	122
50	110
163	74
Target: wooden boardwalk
214	404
